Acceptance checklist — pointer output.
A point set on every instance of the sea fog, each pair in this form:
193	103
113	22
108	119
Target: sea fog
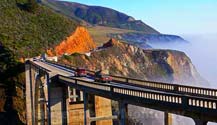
202	50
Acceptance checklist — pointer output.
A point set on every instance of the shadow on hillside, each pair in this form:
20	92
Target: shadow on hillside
22	6
9	116
12	71
9	77
26	6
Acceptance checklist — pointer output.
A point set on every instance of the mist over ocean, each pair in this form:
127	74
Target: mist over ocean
202	50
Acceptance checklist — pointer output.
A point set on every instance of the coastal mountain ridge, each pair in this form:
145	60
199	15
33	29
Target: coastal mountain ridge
97	15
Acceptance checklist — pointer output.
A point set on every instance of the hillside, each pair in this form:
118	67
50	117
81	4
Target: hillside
96	15
22	30
25	31
127	60
100	34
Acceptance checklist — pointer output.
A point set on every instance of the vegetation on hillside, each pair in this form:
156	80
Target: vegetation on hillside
26	30
29	32
32	5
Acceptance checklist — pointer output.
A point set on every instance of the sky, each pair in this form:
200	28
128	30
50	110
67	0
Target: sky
168	16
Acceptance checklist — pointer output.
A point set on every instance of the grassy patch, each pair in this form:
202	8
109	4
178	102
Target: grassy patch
100	33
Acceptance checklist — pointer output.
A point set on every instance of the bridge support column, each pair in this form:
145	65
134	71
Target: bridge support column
57	104
85	97
167	118
103	108
29	103
200	122
122	113
48	100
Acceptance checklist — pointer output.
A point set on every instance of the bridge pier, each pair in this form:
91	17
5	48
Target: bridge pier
36	96
58	107
122	113
40	102
200	122
48	99
167	118
29	102
103	108
75	107
85	98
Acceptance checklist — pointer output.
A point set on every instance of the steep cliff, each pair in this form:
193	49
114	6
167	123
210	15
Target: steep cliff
124	59
79	41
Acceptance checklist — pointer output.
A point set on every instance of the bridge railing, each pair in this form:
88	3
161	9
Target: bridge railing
152	95
175	88
208	92
181	101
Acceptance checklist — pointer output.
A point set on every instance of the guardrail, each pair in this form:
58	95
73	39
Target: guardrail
175	88
207	92
184	101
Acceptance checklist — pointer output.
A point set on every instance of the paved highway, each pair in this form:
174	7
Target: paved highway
56	69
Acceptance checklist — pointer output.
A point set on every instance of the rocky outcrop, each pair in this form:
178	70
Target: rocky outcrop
110	43
155	65
79	42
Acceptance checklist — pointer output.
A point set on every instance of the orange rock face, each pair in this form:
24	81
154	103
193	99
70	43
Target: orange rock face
49	52
80	41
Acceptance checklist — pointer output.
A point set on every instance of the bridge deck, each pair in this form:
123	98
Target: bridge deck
193	105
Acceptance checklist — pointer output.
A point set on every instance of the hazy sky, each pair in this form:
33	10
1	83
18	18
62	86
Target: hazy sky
168	16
